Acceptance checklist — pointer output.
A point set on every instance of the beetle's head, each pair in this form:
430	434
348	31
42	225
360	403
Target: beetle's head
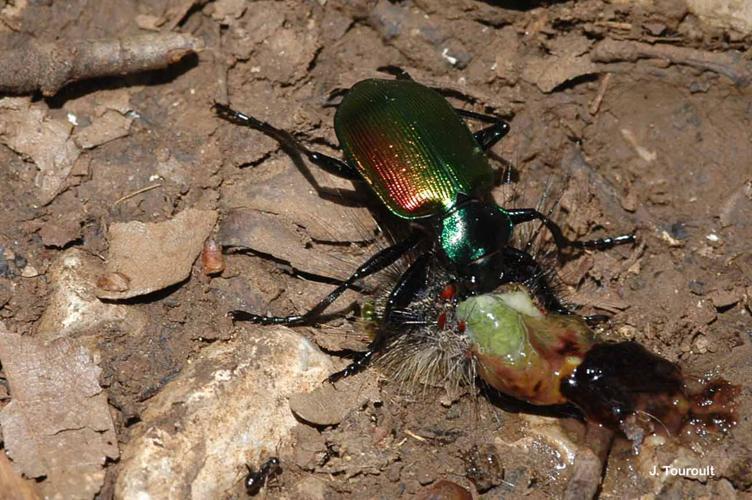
471	236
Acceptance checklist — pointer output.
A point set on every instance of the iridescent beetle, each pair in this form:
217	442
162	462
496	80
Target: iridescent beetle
425	165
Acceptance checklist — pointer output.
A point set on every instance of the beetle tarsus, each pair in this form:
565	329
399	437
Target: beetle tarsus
396	71
520	215
605	243
229	114
238	315
488	136
328	163
361	362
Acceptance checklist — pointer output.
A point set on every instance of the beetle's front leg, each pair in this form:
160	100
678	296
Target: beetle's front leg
521	215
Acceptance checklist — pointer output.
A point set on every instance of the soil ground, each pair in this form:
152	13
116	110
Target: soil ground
645	145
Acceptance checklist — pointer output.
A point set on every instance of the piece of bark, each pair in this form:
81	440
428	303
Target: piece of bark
58	422
273	235
329	405
50	66
323	220
730	64
568	60
110	126
146	257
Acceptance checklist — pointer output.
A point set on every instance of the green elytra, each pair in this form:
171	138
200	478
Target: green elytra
411	147
420	159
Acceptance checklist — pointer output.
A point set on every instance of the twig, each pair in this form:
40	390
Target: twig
135	193
729	64
49	67
596	103
415	436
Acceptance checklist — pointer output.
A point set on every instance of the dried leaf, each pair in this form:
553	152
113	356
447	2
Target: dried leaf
58	423
29	131
153	256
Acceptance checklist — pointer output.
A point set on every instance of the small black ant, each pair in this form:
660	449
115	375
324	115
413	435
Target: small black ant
330	452
256	479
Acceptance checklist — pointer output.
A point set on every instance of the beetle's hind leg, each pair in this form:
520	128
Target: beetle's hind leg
521	215
332	165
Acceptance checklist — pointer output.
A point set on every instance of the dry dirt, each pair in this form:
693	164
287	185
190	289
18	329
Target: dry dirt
657	143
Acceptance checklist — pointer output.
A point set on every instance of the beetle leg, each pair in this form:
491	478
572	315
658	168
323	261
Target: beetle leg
332	165
410	283
490	135
396	71
362	360
486	137
403	293
520	215
596	319
522	268
382	259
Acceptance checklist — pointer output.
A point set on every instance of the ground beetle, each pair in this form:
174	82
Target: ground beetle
425	165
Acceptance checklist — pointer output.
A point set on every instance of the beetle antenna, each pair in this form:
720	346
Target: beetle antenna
540	205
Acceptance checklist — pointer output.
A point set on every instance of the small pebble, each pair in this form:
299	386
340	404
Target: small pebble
20	261
444	490
701	344
29	272
724	298
212	259
696	287
5	271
